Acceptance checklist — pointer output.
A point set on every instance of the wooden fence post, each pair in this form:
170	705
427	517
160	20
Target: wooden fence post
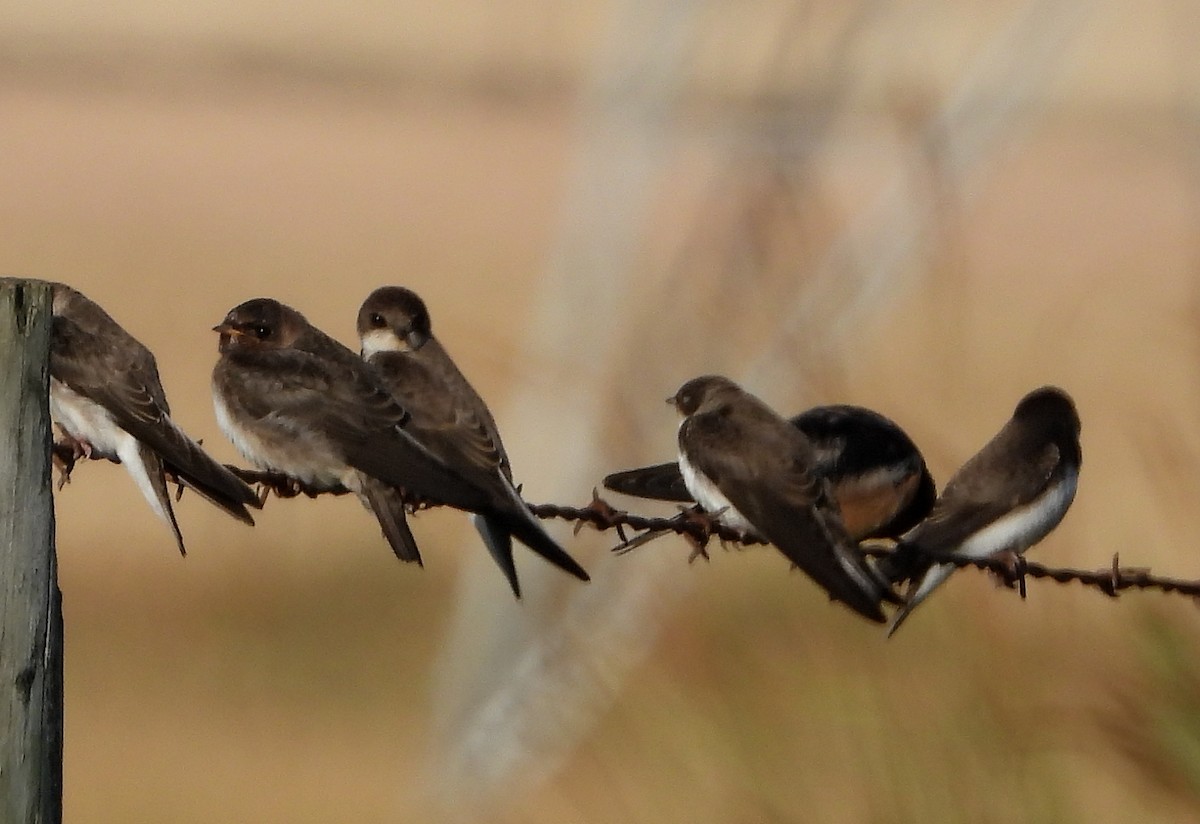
31	651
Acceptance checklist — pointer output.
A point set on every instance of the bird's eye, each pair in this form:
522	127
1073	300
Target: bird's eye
262	332
377	320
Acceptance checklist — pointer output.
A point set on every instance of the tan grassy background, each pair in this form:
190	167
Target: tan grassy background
173	161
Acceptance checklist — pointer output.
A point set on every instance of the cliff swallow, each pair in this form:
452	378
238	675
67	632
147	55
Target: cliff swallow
450	420
106	395
1005	499
876	473
756	472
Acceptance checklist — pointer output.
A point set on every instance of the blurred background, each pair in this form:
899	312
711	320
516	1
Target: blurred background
925	208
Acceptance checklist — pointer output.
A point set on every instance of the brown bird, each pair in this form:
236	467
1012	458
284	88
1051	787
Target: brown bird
876	473
106	396
753	470
1008	497
452	422
293	400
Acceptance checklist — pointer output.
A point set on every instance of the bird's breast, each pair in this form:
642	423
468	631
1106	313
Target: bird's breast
279	443
872	499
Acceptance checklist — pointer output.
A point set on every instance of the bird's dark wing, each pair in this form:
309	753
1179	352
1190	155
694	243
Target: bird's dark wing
879	476
1001	477
853	439
341	398
772	484
447	416
121	375
451	421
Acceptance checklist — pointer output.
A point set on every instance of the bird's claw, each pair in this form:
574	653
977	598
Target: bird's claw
64	462
175	479
282	487
1014	571
65	454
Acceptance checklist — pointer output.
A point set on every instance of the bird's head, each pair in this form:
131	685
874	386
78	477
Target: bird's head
393	319
1052	405
261	323
703	393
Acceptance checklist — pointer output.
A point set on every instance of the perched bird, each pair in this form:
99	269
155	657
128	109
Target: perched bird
876	473
295	401
450	420
106	396
1005	499
756	472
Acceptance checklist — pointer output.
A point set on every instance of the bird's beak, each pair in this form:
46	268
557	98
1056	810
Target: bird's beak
228	329
671	400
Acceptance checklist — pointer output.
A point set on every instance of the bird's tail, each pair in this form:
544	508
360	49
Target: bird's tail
498	541
918	590
388	506
662	482
144	466
197	470
513	519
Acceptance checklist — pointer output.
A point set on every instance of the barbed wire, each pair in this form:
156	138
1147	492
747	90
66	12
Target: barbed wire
699	528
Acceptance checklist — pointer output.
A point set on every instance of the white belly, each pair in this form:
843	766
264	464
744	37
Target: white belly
1024	527
710	498
86	420
250	447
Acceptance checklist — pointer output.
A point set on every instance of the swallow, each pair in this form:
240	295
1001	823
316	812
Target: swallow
756	472
1005	499
293	400
106	396
876	473
451	420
